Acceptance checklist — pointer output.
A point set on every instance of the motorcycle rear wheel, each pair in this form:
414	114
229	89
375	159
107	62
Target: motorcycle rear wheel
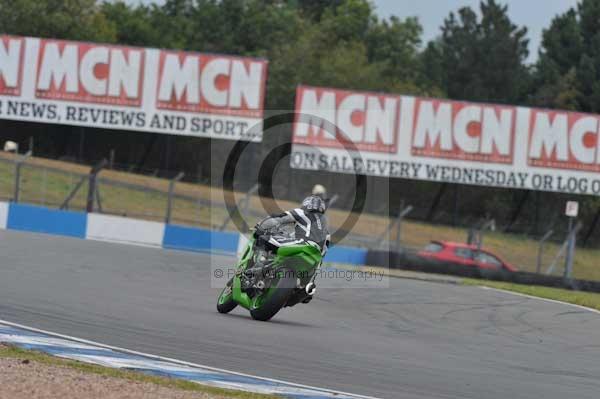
281	293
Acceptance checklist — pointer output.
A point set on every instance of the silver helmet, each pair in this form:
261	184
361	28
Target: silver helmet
314	203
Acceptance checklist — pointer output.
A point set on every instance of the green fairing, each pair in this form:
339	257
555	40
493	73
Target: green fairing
303	260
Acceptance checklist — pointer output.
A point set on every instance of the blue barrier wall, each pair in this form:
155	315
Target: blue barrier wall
353	256
194	239
74	224
43	220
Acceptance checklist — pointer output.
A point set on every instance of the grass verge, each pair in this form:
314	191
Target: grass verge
588	299
9	351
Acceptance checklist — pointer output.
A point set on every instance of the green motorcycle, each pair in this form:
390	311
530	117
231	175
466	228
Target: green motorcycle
274	272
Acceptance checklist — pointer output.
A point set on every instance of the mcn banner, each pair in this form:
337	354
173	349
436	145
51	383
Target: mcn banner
131	88
446	141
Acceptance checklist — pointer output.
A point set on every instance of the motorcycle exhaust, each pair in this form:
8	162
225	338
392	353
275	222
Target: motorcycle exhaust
311	288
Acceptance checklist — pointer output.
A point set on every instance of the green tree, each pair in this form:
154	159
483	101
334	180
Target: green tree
133	25
556	72
266	26
395	43
431	73
562	45
568	71
347	48
173	22
349	21
61	19
588	69
482	59
314	9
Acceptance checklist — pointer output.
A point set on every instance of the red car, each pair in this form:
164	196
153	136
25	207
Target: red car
465	254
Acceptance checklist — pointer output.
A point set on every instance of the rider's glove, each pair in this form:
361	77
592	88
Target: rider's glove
258	231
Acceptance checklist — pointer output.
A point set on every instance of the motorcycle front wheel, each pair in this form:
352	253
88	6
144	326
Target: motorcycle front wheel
225	303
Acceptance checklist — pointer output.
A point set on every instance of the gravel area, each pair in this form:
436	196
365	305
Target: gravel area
24	379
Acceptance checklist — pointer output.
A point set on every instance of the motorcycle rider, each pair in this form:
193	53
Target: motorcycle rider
310	226
310	222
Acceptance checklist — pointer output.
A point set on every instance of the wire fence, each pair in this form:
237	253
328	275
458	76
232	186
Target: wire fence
28	181
67	186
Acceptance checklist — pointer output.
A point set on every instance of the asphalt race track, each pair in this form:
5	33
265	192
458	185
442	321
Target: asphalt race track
413	340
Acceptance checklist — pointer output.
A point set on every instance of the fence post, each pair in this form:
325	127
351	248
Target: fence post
562	249
541	250
571	241
332	200
111	162
403	212
65	204
381	240
489	224
170	196
98	200
471	236
91	197
475	234
18	163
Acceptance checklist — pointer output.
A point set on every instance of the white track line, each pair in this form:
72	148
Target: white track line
540	298
181	362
